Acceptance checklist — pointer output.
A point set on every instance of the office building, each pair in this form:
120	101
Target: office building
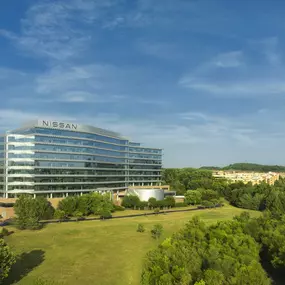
57	159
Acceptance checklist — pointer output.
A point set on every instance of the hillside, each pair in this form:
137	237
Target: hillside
248	167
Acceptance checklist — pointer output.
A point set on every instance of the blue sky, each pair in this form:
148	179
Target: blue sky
204	80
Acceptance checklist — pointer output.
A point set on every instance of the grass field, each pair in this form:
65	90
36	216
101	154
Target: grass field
95	252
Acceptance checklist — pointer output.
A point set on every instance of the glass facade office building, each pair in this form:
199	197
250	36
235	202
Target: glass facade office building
56	159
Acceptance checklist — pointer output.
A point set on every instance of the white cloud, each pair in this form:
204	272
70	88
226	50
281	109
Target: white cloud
228	75
230	59
239	88
51	29
14	118
163	50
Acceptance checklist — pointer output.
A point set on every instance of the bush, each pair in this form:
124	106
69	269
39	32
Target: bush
131	201
207	204
215	202
30	211
105	215
140	228
4	233
156	210
78	215
201	207
152	202
180	204
44	208
69	205
156	231
7	259
143	205
60	215
169	201
119	208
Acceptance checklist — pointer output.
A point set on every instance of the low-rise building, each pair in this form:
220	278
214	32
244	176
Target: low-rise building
246	177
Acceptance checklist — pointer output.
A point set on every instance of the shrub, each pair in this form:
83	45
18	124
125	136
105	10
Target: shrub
7	259
152	202
215	202
180	204
156	210
169	201
207	204
201	207
78	215
4	232
44	208
60	215
156	231
105	215
30	211
140	228
69	205
85	204
119	208
131	201
143	205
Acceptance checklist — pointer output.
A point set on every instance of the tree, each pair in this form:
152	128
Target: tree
60	215
7	259
252	274
78	215
131	201
30	211
68	205
105	214
169	201
209	195
44	208
213	277
193	197
85	204
156	231
211	255
152	202
156	211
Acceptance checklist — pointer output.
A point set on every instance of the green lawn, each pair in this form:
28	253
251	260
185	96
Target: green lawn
95	252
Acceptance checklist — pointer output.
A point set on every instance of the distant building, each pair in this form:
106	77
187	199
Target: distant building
55	159
246	177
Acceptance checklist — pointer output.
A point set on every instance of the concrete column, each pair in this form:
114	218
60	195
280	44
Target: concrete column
50	195
150	183
6	195
81	193
66	195
34	195
117	195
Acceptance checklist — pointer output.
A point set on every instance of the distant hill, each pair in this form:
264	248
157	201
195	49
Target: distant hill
211	168
248	167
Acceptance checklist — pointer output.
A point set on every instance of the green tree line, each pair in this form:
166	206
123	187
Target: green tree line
248	167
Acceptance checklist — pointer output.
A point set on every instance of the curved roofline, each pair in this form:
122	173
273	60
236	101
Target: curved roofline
69	126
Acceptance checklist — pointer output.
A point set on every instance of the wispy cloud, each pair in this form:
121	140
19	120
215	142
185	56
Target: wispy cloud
269	47
230	59
162	50
54	29
230	75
